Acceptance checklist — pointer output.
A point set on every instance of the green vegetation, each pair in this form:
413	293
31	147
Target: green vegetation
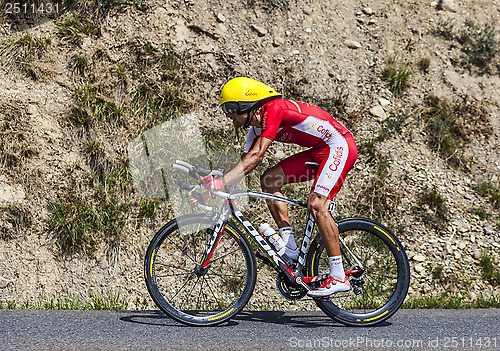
449	300
433	209
79	225
424	64
480	44
78	63
397	75
337	103
93	301
482	213
91	107
14	220
73	28
23	50
270	5
374	200
490	272
489	190
445	27
148	208
449	127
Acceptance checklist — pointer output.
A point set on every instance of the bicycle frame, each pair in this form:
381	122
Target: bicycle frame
279	262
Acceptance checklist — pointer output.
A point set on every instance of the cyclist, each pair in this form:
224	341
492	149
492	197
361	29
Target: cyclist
248	102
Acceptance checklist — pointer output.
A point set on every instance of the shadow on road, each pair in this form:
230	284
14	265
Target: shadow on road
291	319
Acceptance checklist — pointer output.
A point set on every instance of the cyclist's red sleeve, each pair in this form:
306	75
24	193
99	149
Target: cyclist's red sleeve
271	118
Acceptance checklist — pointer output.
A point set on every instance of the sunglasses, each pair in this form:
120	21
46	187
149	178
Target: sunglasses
230	107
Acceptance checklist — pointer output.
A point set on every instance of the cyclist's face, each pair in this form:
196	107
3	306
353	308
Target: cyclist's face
238	120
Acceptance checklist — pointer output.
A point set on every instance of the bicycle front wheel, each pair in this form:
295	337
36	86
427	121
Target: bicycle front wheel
186	293
379	288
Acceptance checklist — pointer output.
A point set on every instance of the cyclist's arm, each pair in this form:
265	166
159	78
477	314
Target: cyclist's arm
249	161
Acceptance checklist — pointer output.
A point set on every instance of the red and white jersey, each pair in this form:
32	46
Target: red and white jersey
331	144
296	122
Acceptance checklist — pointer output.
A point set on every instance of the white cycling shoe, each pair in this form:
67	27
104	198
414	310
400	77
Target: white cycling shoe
331	286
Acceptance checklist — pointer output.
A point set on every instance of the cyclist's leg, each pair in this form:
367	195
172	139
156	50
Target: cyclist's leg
335	160
290	170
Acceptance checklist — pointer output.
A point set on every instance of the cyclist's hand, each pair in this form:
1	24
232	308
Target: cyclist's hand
211	183
192	201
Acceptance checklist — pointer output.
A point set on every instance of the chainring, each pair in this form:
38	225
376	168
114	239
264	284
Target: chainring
289	292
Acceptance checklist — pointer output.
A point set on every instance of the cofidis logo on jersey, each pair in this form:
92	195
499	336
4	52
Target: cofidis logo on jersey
336	158
325	132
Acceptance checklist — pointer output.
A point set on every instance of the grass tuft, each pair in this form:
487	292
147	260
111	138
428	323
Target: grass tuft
480	44
73	28
78	63
449	127
22	51
90	301
490	272
489	190
450	301
424	64
397	75
81	225
433	209
91	107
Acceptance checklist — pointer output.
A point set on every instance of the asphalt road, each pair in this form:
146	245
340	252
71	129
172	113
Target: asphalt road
151	330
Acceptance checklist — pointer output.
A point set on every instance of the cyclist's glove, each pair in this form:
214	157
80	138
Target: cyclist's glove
211	183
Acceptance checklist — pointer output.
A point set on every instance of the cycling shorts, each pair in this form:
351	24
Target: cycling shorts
335	160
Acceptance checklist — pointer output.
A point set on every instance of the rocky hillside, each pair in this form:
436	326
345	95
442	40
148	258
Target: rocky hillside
417	82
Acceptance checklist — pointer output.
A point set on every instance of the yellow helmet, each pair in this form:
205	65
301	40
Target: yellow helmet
241	95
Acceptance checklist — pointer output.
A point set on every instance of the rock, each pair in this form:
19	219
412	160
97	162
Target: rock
295	52
308	30
461	245
378	112
307	10
487	231
279	154
419	268
261	31
419	258
278	41
368	11
372	21
221	18
449	248
476	255
352	44
448	5
9	194
461	226
4	282
384	102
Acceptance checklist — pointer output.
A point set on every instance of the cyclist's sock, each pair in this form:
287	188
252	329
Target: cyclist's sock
336	267
287	235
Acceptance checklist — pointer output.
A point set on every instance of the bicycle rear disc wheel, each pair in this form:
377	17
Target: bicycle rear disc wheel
377	292
191	296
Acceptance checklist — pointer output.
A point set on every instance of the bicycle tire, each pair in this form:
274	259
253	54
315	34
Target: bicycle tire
386	277
199	300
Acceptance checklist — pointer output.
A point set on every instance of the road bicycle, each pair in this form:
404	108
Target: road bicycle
201	270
